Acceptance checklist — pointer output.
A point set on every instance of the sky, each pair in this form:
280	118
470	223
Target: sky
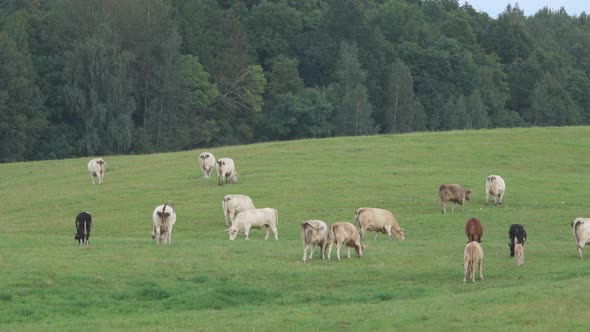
530	7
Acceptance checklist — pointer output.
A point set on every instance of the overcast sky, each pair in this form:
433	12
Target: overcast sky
530	7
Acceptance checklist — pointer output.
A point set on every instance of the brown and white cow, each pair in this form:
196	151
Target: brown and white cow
97	168
313	233
345	233
207	162
518	253
581	231
453	193
496	187
164	218
226	171
473	230
379	221
255	218
234	204
472	257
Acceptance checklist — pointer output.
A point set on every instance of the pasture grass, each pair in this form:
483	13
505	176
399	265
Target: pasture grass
203	281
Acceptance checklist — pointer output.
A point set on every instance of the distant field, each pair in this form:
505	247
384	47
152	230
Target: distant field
203	281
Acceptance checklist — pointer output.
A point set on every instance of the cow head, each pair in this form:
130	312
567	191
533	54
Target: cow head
467	194
399	234
359	249
232	233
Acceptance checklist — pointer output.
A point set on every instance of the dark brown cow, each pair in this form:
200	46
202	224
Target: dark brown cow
473	230
453	193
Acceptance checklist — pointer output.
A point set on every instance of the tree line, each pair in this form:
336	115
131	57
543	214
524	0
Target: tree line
99	77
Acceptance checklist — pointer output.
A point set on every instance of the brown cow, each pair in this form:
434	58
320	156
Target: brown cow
453	193
345	233
473	230
472	257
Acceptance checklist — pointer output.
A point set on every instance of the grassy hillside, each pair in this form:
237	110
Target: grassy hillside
204	281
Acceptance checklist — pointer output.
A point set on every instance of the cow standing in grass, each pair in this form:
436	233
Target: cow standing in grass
518	253
472	257
313	233
379	221
226	171
473	230
516	234
453	193
83	226
581	231
97	168
234	204
345	233
164	219
255	218
496	187
207	162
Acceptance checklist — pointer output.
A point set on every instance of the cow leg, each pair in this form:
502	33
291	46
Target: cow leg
330	250
389	233
501	197
267	230
487	197
453	208
580	249
169	234
465	269
275	231
443	207
480	269
305	246
323	250
312	250
92	177
246	232
348	251
338	246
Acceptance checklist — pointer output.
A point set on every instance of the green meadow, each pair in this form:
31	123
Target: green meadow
203	281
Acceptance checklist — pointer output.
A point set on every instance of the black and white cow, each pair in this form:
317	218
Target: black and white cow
516	234
83	225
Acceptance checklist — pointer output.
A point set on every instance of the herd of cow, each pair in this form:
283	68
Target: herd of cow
241	215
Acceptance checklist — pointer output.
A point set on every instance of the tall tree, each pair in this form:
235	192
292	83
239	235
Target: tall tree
402	113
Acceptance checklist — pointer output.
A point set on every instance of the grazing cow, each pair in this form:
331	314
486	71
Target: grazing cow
255	218
207	163
581	230
234	204
473	256
518	253
313	233
345	233
97	167
496	187
164	218
226	171
83	226
453	193
516	231
473	230
379	221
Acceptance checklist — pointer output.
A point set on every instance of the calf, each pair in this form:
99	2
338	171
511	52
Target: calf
255	218
453	193
207	163
314	232
97	168
496	187
473	230
518	253
581	231
226	171
83	226
164	218
234	204
345	233
472	257
379	221
516	232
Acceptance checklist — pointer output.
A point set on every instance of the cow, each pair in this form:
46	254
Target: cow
234	204
164	218
472	257
496	187
97	167
379	221
347	234
83	226
226	171
255	218
516	231
473	230
581	231
518	253
206	163
313	233
453	193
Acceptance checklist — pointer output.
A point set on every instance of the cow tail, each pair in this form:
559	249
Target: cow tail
303	233
576	223
277	216
357	216
163	213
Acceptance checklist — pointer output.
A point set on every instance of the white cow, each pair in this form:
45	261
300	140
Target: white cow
581	230
496	187
255	218
97	167
472	257
379	221
164	219
518	253
313	233
226	171
207	163
345	233
234	204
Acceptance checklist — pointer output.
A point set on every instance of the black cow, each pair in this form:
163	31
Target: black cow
516	231
83	225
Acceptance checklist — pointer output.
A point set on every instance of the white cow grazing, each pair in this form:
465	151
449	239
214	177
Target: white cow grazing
207	162
234	204
313	233
226	171
379	221
581	230
164	219
496	187
473	256
345	233
255	218
97	167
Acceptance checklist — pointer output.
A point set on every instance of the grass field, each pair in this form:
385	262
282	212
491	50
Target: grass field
203	281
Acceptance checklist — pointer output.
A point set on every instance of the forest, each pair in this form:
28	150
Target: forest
102	77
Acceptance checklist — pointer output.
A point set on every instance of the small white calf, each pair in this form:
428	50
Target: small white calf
97	167
207	163
164	219
226	171
473	256
255	218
